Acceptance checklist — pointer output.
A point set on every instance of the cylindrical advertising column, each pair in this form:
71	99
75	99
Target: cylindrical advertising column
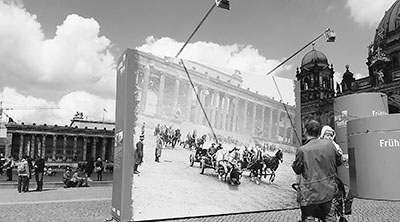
375	144
351	107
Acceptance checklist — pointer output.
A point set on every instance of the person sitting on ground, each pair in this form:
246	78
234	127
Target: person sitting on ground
77	178
67	176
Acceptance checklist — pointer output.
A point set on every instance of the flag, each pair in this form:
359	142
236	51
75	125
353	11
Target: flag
104	109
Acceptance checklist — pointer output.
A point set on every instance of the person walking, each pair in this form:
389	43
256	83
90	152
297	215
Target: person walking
23	175
2	161
138	154
9	165
344	197
315	163
89	167
158	148
99	167
39	170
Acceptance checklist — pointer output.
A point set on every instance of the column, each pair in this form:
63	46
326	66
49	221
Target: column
21	146
229	114
198	108
224	111
39	146
84	153
8	144
103	148
145	88
44	147
160	100
244	117
220	111
214	102
112	149
54	147
189	102
285	137
95	140
235	112
270	123
64	148
31	152
75	152
176	92
253	124
262	120
202	99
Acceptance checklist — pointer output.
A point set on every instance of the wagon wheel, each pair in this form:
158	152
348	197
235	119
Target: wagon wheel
191	160
202	166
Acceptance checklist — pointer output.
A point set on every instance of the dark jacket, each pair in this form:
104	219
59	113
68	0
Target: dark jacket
89	166
316	162
139	153
39	165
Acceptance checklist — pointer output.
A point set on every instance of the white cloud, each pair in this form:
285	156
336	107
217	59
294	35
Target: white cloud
368	12
245	58
29	109
76	60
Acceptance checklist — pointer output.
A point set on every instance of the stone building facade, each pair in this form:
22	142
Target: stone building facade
59	143
383	62
316	84
166	94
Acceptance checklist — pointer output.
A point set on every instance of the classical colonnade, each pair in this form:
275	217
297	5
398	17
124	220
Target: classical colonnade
228	107
60	147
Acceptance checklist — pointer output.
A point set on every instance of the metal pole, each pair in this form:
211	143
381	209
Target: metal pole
312	41
198	26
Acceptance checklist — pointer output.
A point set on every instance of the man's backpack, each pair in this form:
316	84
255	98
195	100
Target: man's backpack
21	168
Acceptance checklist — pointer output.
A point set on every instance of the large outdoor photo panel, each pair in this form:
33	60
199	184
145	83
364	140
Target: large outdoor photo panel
155	98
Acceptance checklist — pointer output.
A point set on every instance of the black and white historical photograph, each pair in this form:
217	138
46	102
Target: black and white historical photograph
189	111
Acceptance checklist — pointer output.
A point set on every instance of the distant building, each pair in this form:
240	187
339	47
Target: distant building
60	143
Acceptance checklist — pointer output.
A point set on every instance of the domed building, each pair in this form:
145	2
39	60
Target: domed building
315	76
316	84
383	62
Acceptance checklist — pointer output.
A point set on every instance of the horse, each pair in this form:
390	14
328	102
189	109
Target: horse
201	140
272	163
176	137
253	162
227	166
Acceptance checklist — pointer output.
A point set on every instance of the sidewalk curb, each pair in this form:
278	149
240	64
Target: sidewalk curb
14	185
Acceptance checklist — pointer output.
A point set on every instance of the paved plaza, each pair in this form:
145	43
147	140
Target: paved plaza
94	203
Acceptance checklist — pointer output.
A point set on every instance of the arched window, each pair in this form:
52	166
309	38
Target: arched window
306	83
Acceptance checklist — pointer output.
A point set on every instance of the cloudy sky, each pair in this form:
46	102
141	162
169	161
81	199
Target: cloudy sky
62	53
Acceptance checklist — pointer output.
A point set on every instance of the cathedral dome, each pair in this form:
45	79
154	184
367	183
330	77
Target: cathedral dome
314	57
389	23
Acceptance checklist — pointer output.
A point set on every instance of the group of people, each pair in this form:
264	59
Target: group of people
26	168
318	185
82	174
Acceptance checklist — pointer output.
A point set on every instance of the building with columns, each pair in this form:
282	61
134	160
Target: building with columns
59	143
165	94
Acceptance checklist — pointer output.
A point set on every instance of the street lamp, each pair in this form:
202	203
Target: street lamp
330	36
223	4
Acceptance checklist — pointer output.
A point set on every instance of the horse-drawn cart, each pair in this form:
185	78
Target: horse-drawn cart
203	158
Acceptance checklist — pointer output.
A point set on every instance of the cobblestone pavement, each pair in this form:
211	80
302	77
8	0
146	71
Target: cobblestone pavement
94	203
